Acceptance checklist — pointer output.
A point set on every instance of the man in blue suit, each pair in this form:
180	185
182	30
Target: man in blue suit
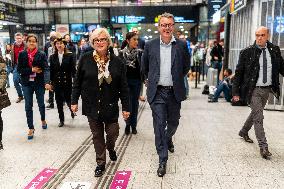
165	62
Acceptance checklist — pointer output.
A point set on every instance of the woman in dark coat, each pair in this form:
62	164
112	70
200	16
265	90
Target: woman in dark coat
62	70
34	71
132	58
101	82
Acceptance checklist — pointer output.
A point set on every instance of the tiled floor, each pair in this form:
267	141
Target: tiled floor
208	151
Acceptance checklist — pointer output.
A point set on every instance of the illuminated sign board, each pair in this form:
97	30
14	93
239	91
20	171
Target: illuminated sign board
148	14
127	19
237	5
181	19
11	13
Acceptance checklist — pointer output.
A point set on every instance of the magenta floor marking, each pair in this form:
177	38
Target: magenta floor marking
41	179
120	180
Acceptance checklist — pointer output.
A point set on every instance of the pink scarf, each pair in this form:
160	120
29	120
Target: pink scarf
31	56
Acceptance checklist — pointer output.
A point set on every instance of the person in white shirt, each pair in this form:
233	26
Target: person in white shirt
62	70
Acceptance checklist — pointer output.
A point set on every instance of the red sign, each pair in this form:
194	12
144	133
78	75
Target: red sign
120	180
42	178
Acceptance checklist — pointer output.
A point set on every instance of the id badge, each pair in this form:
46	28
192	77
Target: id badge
32	77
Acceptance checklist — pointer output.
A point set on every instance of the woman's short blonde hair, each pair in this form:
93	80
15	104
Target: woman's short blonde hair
95	34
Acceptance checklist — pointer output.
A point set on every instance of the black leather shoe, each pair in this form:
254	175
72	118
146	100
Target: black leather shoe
99	170
212	100
171	146
162	169
245	137
1	146
112	155
134	131
127	129
265	153
61	124
50	106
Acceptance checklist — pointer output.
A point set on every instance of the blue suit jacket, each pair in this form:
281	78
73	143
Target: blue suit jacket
180	59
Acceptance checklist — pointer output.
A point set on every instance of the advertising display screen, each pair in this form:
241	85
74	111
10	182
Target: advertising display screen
77	31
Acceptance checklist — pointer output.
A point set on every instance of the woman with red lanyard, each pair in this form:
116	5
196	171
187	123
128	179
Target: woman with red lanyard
34	71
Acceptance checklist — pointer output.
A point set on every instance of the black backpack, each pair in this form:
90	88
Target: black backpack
205	90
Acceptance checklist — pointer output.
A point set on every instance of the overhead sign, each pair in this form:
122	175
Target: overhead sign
181	19
237	5
11	13
34	28
148	14
214	6
127	19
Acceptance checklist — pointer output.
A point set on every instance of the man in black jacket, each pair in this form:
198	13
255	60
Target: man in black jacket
257	74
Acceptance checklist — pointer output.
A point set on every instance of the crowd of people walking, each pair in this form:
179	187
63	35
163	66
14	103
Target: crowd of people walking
101	74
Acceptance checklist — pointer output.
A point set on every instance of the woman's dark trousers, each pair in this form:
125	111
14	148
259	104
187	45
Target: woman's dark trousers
29	90
134	86
62	94
112	131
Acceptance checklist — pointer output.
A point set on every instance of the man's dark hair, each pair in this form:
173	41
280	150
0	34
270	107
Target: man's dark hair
229	71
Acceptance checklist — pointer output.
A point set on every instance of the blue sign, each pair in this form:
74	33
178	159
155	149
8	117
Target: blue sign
180	19
127	19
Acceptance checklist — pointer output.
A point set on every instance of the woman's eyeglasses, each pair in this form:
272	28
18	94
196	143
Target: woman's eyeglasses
101	40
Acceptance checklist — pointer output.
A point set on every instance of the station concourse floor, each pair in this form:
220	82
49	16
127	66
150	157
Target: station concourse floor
208	151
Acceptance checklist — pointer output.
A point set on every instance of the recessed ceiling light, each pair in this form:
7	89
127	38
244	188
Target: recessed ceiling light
180	26
182	29
149	30
186	32
155	31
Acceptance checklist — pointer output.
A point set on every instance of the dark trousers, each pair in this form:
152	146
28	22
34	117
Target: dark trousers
166	115
112	131
134	86
62	95
1	127
257	104
29	90
17	82
51	97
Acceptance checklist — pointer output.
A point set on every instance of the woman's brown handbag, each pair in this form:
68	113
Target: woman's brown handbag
4	100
